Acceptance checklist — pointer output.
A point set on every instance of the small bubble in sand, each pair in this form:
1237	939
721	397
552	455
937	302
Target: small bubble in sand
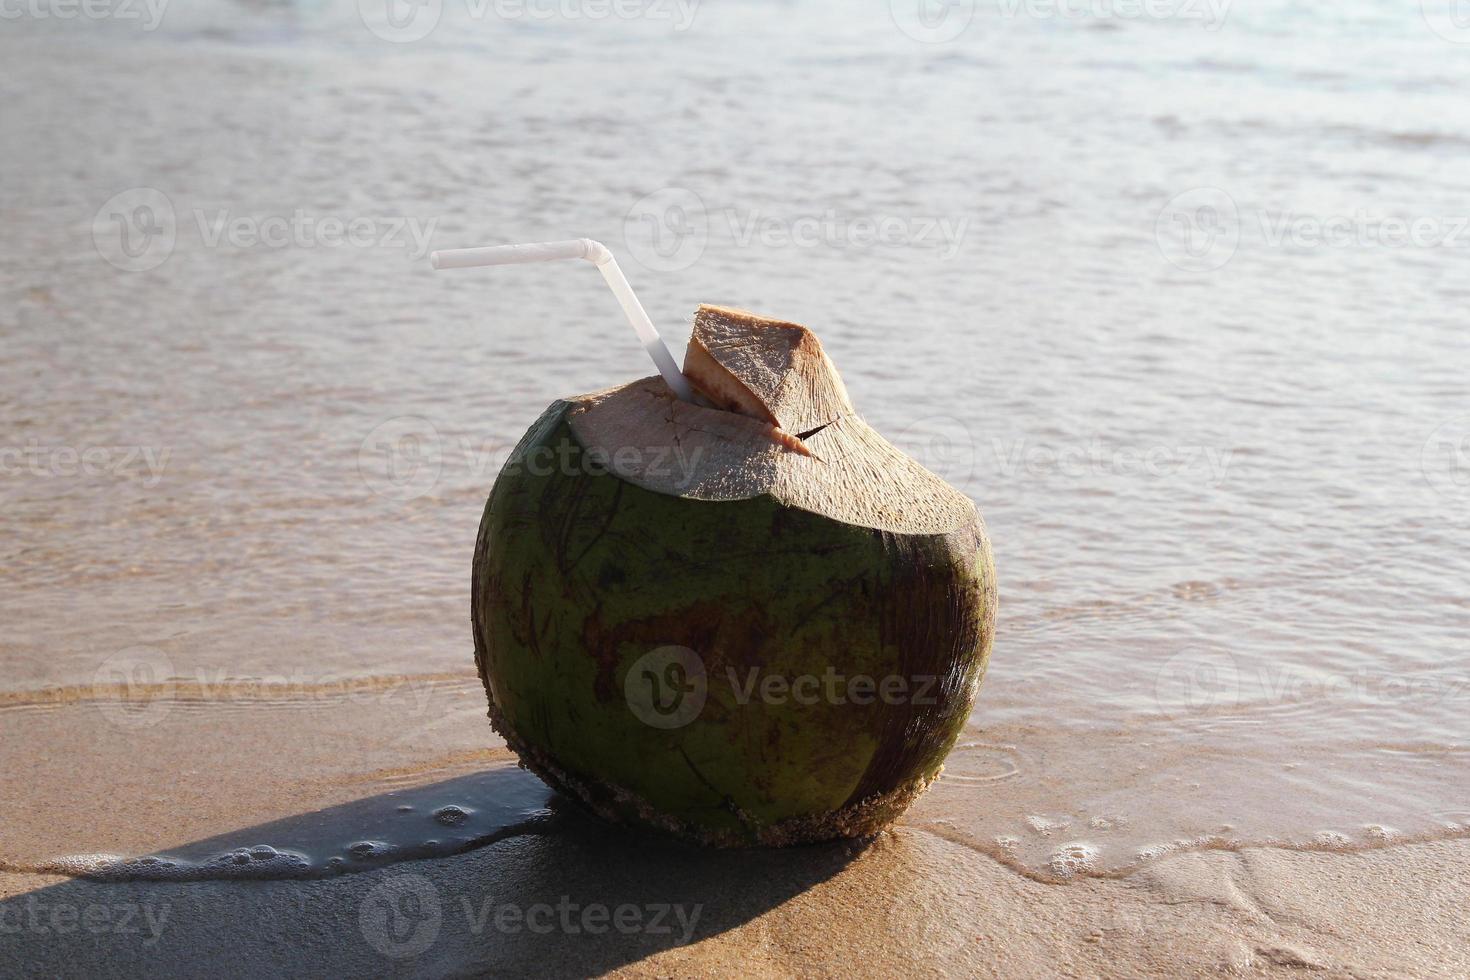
263	852
405	808
451	815
1008	843
366	849
1331	838
1380	832
1045	826
1073	859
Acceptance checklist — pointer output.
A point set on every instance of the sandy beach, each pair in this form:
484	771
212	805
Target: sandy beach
556	893
906	904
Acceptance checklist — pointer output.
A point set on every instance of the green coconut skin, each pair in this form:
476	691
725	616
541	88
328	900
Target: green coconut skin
579	573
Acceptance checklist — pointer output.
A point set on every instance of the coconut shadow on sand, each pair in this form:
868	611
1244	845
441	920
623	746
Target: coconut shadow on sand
536	887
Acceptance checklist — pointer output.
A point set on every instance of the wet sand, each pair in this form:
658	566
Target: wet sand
907	904
550	892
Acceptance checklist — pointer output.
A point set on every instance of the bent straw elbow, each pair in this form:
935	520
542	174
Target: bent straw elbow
598	254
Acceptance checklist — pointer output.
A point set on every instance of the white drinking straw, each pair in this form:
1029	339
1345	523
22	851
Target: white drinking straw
598	255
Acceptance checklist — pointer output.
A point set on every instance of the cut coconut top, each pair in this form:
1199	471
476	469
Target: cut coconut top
768	369
771	381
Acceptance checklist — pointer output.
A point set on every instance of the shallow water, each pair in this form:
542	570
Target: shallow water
1139	292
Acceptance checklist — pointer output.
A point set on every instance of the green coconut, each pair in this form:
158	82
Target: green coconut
752	623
